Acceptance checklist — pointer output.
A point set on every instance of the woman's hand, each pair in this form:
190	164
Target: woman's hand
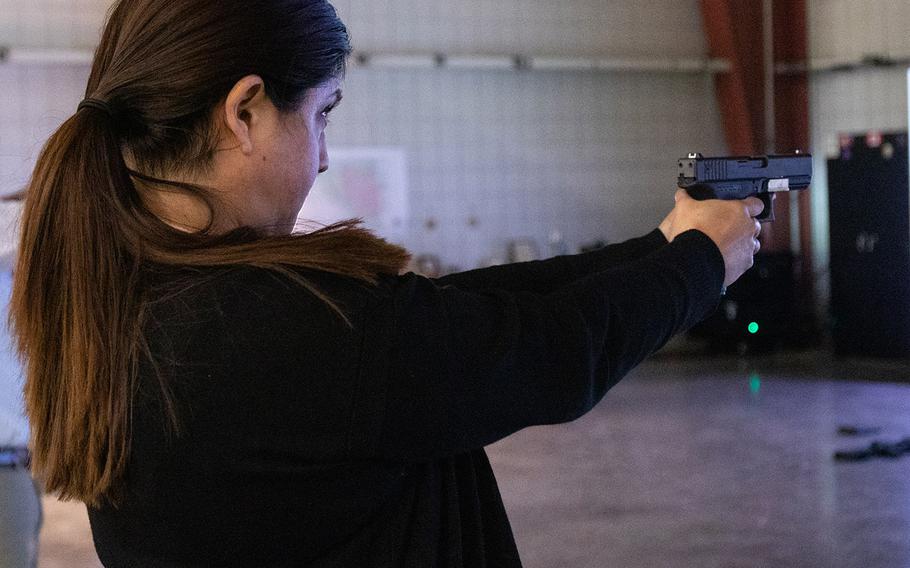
730	224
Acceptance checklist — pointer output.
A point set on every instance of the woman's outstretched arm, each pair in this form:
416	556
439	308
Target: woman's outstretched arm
462	369
545	276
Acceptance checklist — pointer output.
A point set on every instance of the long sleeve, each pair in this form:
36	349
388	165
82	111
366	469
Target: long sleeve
547	275
358	441
468	368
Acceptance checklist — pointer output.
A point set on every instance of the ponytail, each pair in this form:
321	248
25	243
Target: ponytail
74	308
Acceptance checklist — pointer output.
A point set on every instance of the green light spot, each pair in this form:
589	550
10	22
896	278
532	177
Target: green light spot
753	328
755	383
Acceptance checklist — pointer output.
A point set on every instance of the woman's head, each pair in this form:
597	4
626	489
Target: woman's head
265	163
207	99
194	82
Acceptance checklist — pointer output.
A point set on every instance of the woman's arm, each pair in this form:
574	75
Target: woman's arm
546	276
465	369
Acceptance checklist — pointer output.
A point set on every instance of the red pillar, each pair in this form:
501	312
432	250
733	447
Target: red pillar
735	32
791	105
791	102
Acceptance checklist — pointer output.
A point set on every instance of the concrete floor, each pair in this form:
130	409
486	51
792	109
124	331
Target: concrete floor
710	463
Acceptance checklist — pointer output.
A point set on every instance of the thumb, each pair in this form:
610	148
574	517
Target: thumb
755	206
681	195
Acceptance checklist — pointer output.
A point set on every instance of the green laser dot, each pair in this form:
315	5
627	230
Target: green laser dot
753	328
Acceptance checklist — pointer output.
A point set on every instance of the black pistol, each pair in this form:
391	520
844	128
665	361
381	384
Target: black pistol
731	178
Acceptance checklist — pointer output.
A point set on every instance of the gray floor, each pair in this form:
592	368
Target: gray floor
717	463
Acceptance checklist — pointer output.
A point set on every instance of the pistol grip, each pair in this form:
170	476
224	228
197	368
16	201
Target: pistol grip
767	215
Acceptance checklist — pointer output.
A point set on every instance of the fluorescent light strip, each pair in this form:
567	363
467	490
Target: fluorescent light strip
30	56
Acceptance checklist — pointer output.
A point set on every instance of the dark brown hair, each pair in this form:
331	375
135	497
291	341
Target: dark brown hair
162	67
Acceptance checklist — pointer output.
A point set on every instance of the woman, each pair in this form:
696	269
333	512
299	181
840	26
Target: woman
220	392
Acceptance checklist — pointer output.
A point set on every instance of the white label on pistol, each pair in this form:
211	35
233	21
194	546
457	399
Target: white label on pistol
779	185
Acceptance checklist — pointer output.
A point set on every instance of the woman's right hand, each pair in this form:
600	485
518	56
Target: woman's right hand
730	224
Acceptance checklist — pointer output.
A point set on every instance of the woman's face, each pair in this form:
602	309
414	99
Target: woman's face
295	153
265	164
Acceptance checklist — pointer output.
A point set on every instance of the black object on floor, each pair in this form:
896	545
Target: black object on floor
851	430
875	450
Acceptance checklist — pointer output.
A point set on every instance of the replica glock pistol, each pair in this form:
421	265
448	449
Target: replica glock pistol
731	178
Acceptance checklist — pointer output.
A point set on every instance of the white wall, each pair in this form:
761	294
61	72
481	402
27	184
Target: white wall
567	27
851	29
854	101
51	23
34	100
493	155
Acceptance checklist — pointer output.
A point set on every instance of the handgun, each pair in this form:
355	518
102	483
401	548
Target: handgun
731	178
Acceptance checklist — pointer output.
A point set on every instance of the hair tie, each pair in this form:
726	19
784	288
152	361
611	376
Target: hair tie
97	105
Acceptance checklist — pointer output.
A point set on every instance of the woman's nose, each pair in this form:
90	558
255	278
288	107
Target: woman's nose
323	155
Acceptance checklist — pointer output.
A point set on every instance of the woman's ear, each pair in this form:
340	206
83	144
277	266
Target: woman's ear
245	107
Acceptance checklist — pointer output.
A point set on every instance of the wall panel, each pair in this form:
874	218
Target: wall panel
493	155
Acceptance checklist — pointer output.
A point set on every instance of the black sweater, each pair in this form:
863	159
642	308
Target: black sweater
308	442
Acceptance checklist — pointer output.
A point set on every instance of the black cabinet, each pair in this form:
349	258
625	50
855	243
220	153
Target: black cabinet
869	216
